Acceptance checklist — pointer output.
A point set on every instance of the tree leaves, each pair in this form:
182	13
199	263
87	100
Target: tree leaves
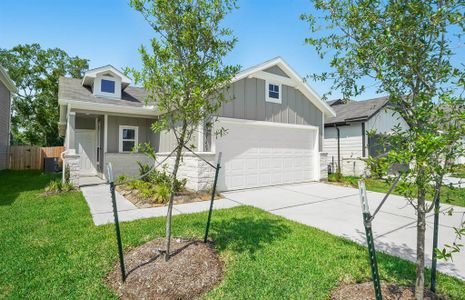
36	71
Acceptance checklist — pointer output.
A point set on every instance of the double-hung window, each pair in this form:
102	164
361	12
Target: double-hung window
127	138
273	92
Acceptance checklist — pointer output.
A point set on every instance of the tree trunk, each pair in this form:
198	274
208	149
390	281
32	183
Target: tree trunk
420	263
171	202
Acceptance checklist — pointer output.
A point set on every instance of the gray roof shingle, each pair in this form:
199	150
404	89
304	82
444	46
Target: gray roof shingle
355	110
72	89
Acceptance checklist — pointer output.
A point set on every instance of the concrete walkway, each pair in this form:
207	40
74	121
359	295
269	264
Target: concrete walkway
331	208
99	200
337	210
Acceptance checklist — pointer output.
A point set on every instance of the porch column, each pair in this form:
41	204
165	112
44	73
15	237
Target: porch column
72	131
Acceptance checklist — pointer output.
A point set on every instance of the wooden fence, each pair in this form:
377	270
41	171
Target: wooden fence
32	157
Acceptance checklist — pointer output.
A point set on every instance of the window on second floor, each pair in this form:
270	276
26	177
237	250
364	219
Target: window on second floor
107	86
273	92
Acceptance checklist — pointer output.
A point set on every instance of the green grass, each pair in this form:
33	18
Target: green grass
50	249
454	196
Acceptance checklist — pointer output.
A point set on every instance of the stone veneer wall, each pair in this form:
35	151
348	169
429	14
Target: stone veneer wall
198	173
323	166
353	167
71	161
124	163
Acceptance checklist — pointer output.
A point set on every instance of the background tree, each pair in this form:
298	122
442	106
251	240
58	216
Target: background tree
184	72
35	110
407	49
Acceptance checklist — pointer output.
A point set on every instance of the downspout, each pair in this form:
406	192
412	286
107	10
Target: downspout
363	140
338	149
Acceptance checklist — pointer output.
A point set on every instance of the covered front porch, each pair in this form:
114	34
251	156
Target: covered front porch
94	139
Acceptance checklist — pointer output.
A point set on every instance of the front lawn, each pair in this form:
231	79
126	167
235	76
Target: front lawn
51	249
454	196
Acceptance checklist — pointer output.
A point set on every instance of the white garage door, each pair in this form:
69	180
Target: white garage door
260	154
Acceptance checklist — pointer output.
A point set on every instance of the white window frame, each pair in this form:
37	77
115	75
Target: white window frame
267	95
107	78
120	138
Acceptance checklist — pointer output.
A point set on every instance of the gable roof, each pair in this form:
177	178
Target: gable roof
351	111
294	80
6	80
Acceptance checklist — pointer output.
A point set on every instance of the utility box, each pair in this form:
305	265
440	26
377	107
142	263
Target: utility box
51	165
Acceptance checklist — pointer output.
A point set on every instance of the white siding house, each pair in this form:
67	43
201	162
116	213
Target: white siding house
346	135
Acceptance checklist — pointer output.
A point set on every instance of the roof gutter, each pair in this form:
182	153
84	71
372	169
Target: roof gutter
110	108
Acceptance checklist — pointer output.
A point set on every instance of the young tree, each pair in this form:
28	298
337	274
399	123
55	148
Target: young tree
184	73
407	49
36	71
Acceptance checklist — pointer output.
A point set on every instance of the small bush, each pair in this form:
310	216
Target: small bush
56	187
162	193
66	187
121	178
378	167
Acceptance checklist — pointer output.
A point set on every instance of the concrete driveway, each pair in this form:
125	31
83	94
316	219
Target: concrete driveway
336	209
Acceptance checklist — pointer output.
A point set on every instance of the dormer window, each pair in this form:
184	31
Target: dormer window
106	82
108	86
273	92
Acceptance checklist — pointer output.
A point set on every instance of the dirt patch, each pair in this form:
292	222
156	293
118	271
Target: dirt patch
193	269
365	291
186	196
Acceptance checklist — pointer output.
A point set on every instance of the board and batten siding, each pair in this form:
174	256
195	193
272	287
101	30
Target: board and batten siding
385	120
249	103
5	101
350	141
167	141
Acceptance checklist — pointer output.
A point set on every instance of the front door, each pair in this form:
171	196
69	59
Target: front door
87	149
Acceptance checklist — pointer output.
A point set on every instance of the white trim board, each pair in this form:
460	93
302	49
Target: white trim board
110	108
265	123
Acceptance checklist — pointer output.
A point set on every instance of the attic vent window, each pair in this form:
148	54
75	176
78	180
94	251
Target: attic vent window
273	92
107	86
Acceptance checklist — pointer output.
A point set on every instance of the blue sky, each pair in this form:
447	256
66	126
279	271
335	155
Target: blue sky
110	32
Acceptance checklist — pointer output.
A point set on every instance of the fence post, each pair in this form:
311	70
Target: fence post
217	170
117	229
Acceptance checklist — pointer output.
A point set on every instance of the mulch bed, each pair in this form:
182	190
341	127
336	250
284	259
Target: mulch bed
193	269
365	291
181	197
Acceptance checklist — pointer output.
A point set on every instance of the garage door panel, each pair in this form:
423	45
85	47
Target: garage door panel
257	155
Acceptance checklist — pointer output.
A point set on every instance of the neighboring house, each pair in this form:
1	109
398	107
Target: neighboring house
274	122
346	140
7	89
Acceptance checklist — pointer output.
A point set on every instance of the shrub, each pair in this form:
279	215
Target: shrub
377	167
66	187
56	187
144	169
121	178
53	187
162	193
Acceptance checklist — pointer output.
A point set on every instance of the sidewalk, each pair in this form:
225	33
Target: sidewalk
99	200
